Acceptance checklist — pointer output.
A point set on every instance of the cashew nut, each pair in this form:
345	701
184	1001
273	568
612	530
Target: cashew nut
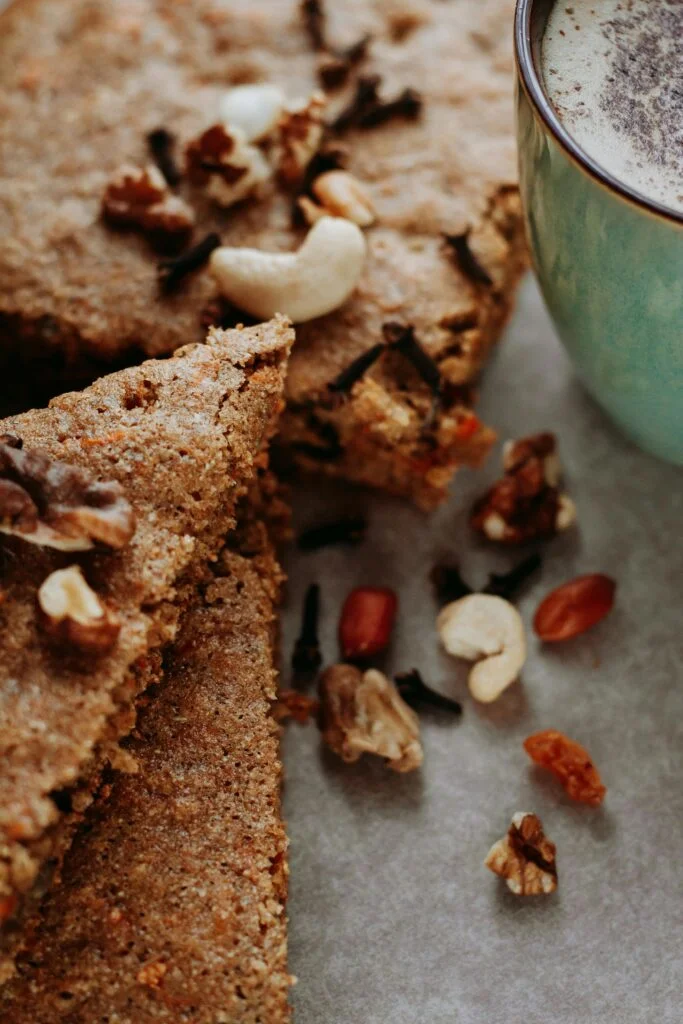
302	285
490	631
254	109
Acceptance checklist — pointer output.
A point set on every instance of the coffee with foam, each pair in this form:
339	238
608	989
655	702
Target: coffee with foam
613	70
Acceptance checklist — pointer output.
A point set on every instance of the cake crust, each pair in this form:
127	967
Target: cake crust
173	892
183	437
75	293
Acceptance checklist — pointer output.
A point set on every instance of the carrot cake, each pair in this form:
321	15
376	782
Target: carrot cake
379	132
173	891
113	504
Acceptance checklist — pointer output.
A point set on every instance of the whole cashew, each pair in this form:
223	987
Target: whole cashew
490	631
302	285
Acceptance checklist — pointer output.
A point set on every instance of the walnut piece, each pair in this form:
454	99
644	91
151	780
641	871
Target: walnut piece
225	164
58	505
362	712
300	135
526	504
73	614
139	197
525	857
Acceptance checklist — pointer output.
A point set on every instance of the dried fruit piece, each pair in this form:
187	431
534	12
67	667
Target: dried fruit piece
525	857
152	974
569	763
574	607
364	713
367	620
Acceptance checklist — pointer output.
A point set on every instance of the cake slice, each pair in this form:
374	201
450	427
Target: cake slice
171	902
418	109
164	450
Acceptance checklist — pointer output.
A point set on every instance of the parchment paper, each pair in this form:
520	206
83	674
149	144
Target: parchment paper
393	918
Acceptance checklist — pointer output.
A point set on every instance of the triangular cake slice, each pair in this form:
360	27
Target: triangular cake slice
171	902
142	472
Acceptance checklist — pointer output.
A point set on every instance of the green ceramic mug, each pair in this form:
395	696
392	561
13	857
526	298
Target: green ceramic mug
609	262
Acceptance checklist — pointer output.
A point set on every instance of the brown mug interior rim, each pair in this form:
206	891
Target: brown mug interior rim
530	19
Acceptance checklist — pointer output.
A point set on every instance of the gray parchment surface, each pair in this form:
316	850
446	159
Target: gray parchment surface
393	918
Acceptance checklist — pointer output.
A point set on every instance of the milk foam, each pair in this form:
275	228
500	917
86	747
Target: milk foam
613	70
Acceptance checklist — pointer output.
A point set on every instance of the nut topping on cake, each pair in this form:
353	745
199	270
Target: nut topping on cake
301	132
73	614
138	197
315	280
222	161
58	505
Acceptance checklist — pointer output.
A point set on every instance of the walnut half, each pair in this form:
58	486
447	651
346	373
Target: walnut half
72	613
139	197
525	857
526	504
58	505
363	712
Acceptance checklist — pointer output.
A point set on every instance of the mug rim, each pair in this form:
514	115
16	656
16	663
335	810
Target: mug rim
532	82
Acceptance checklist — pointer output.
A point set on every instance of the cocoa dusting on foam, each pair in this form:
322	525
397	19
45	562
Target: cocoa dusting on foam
614	72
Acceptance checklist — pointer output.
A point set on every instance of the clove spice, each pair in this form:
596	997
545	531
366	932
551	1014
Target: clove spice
161	143
508	584
415	691
173	271
450	586
467	261
306	657
407	105
355	370
364	99
401	338
351	530
448	583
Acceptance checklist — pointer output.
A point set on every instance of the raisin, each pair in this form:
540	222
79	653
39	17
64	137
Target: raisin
569	763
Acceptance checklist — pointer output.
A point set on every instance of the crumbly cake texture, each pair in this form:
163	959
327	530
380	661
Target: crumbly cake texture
83	81
173	892
183	436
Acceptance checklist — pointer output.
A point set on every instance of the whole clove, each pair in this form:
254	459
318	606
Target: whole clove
173	271
356	370
313	14
161	143
467	261
448	583
401	338
343	531
306	657
508	584
450	586
335	69
364	99
415	692
407	105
